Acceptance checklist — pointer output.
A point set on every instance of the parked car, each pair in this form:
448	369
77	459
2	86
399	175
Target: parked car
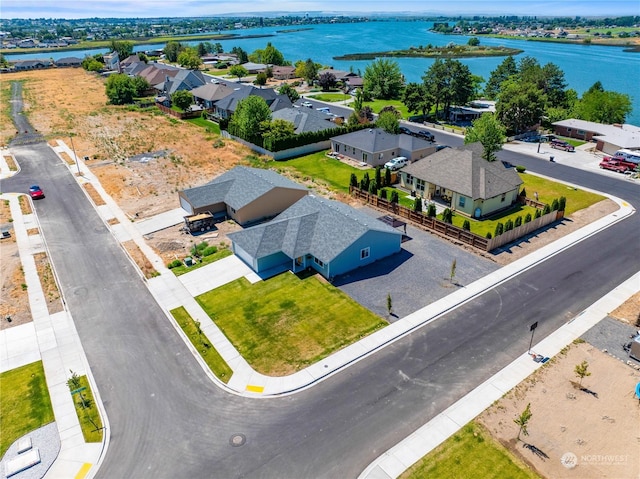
425	135
629	165
396	163
613	165
405	130
324	109
36	192
441	147
307	104
562	145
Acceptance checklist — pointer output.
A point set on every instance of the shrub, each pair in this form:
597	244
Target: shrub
538	213
417	205
394	196
546	210
466	225
209	251
383	194
523	193
499	229
520	169
518	221
508	226
431	210
555	205
562	203
174	264
488	235
527	218
354	180
447	216
373	187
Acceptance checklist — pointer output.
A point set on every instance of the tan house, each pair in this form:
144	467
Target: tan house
247	195
466	181
283	72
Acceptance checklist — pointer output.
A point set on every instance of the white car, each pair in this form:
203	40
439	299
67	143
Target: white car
308	104
396	163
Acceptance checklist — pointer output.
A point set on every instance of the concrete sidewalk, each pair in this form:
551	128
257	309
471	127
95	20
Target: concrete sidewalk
53	339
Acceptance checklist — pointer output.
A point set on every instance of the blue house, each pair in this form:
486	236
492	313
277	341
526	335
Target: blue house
326	235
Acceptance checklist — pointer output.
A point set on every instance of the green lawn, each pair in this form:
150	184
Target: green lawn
483	227
286	323
89	417
329	97
470	453
320	168
218	366
208	125
377	105
548	190
24	403
221	253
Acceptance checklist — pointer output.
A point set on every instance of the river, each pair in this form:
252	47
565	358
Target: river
582	65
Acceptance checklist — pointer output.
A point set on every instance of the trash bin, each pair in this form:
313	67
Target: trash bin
188	261
551	159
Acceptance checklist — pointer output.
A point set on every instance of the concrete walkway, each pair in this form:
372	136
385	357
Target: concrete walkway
54	338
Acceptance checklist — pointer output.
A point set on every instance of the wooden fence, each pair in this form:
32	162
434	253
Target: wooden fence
177	114
454	232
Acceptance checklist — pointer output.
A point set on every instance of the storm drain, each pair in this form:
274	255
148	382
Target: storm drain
237	440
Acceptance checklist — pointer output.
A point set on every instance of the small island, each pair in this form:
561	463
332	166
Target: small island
449	51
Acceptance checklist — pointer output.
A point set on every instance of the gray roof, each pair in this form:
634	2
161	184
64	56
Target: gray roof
376	139
238	187
184	80
212	91
464	171
304	119
273	99
317	226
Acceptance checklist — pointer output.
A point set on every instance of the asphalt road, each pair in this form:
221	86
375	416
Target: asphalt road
167	420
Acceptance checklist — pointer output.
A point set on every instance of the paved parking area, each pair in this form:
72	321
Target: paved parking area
415	277
611	334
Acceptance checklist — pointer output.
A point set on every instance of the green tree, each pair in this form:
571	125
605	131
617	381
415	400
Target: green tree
520	105
447	216
272	56
582	370
417	205
389	304
388	121
387	177
490	132
238	71
201	48
353	181
383	79
92	64
261	79
183	99
171	50
124	48
250	113
503	72
431	210
140	85
523	420
189	58
466	225
309	71
473	42
240	54
417	99
120	89
606	107
554	85
278	129
291	92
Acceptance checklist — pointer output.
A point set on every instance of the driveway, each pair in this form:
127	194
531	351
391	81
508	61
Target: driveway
415	277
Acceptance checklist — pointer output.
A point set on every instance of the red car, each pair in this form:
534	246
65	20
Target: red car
36	192
613	165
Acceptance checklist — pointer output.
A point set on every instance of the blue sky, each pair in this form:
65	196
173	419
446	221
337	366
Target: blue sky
157	8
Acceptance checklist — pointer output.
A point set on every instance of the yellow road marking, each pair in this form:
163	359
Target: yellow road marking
255	389
83	470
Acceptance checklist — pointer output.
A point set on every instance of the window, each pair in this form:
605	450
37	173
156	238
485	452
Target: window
461	201
568	130
409	178
318	262
580	132
364	253
337	149
420	185
364	157
504	196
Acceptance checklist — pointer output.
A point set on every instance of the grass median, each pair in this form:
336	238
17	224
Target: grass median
287	322
25	404
471	452
87	412
191	328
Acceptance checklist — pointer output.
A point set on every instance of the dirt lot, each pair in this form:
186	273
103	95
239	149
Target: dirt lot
581	434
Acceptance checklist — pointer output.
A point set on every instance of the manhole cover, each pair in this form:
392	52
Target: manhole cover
237	440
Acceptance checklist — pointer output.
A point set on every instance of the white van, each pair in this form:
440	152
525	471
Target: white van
396	163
